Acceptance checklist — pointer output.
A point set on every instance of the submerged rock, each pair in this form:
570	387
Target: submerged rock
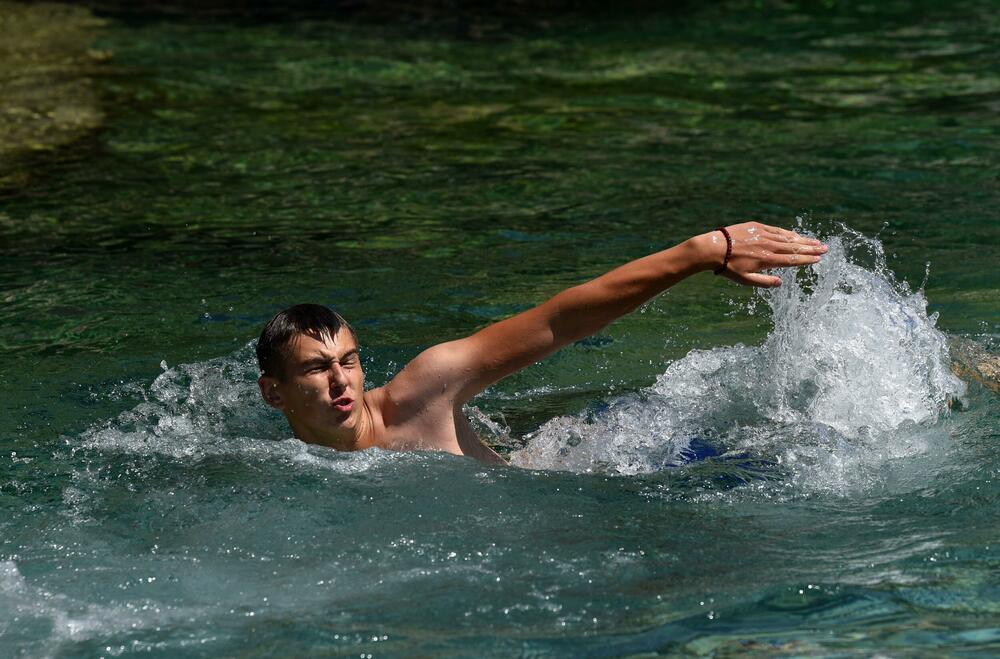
970	361
47	99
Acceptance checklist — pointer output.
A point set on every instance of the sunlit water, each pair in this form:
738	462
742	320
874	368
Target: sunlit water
723	472
777	492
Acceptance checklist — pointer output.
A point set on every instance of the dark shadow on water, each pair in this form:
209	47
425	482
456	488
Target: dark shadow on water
708	467
477	19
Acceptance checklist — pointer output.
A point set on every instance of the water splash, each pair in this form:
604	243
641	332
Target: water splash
213	408
852	375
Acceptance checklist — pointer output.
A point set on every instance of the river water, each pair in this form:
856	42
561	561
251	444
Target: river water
723	472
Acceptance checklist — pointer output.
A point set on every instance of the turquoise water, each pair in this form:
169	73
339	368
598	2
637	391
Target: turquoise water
722	472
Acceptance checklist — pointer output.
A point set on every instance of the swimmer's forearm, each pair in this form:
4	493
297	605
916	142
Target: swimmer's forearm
583	310
752	247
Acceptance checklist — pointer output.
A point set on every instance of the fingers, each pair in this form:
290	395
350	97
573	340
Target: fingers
778	255
791	260
798	248
784	235
754	278
759	280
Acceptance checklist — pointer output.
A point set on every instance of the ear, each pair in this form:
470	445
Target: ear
269	392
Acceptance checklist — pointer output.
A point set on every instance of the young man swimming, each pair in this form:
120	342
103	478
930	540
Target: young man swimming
311	370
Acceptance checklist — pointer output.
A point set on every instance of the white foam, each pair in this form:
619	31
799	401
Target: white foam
852	369
72	621
213	408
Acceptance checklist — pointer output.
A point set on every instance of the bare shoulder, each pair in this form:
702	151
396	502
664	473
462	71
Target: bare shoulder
432	379
420	408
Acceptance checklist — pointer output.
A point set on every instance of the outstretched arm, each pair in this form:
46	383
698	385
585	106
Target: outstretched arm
461	369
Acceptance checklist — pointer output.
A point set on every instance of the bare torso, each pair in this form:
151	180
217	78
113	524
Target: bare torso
436	426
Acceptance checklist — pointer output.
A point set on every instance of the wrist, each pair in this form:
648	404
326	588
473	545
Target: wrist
706	251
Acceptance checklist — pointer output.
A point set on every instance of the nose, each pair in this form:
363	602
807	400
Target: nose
338	377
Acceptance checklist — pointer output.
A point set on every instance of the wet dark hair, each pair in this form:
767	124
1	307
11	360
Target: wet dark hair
312	319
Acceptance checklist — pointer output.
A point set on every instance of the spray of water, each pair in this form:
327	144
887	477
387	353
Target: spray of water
852	375
212	408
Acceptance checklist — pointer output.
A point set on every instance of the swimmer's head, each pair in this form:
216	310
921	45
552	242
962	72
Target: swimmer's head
277	337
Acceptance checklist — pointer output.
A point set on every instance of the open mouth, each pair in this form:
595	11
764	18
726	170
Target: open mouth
343	404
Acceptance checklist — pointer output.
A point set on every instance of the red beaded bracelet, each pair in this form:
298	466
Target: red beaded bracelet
729	251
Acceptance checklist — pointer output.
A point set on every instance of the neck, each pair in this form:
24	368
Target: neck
358	437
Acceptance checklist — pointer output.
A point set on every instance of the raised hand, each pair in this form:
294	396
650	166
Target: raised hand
757	247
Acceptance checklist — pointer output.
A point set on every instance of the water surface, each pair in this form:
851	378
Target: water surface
720	472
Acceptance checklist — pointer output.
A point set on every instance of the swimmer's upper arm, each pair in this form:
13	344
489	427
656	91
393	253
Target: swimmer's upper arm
506	347
458	370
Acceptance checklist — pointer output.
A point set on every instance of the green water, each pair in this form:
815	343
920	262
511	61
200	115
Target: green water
426	178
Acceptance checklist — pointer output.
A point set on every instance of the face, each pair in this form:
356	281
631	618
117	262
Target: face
321	389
